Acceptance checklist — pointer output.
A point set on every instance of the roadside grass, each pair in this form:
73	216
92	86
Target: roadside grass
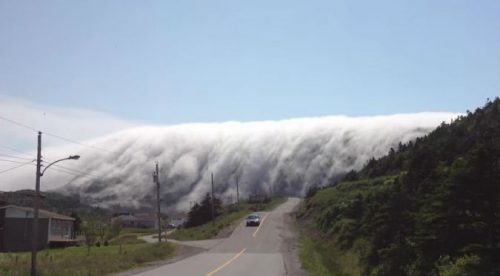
127	238
309	257
209	231
139	231
275	202
74	260
323	257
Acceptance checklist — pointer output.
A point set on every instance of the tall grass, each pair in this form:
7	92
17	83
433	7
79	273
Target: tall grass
324	258
74	260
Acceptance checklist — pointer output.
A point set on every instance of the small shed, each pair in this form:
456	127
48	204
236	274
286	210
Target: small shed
16	228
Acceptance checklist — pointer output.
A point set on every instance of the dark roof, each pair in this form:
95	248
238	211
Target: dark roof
41	212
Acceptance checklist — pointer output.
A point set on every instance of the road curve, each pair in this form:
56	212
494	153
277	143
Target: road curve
248	251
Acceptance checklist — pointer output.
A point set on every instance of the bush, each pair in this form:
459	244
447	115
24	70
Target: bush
467	265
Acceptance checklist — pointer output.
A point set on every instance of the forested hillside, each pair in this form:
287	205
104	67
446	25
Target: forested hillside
53	202
429	207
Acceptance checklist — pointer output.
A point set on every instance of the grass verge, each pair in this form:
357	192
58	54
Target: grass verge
128	238
323	257
209	231
74	260
311	259
139	231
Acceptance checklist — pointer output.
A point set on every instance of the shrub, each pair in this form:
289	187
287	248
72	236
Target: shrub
467	265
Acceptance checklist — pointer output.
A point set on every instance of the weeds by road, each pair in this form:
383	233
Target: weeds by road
102	260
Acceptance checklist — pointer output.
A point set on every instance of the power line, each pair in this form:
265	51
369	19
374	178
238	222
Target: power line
67	171
70	173
74	171
13	156
18	123
13	168
16	150
75	142
53	135
12	161
62	169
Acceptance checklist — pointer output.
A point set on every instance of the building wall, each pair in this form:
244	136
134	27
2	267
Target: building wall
17	234
2	225
18	213
60	228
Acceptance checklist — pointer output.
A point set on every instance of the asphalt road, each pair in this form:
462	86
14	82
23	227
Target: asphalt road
263	250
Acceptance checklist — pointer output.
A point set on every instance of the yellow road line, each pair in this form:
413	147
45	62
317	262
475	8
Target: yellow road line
227	263
262	222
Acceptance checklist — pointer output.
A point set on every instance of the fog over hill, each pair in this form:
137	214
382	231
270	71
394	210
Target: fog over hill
284	157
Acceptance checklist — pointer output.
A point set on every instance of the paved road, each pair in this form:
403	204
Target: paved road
248	251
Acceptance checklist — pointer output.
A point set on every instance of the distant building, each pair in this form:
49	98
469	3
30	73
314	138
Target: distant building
140	220
16	225
176	223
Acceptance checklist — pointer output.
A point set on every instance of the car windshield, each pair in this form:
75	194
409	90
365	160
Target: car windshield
252	217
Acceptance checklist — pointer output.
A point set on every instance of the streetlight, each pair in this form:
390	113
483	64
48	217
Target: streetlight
71	157
34	243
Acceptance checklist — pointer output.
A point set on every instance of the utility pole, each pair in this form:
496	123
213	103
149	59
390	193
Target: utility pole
237	192
34	241
157	181
36	202
213	210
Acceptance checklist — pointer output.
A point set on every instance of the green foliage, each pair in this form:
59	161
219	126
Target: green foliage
225	219
468	265
311	191
70	205
324	258
126	238
311	260
103	260
89	231
116	228
202	213
437	196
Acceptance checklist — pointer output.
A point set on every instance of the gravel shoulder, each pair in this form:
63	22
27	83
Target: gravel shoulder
289	247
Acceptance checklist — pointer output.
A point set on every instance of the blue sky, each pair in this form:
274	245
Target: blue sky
199	61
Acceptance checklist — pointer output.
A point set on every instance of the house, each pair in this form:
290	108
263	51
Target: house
16	227
140	220
176	223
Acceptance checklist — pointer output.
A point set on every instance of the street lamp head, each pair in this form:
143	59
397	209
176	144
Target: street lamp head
74	157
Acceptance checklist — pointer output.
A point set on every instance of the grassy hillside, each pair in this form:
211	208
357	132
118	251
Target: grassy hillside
430	207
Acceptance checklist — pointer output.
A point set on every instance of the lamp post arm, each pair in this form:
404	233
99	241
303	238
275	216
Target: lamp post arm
67	158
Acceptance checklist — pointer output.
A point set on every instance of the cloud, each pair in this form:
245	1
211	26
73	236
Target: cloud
283	157
77	124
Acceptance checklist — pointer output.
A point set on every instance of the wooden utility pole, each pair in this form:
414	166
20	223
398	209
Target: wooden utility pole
34	235
237	192
157	181
213	207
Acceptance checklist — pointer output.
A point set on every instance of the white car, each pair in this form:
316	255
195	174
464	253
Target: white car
253	220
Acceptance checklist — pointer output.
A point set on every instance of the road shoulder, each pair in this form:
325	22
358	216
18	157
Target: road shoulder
289	246
183	252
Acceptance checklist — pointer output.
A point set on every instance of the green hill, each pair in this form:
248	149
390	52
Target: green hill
55	202
429	207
